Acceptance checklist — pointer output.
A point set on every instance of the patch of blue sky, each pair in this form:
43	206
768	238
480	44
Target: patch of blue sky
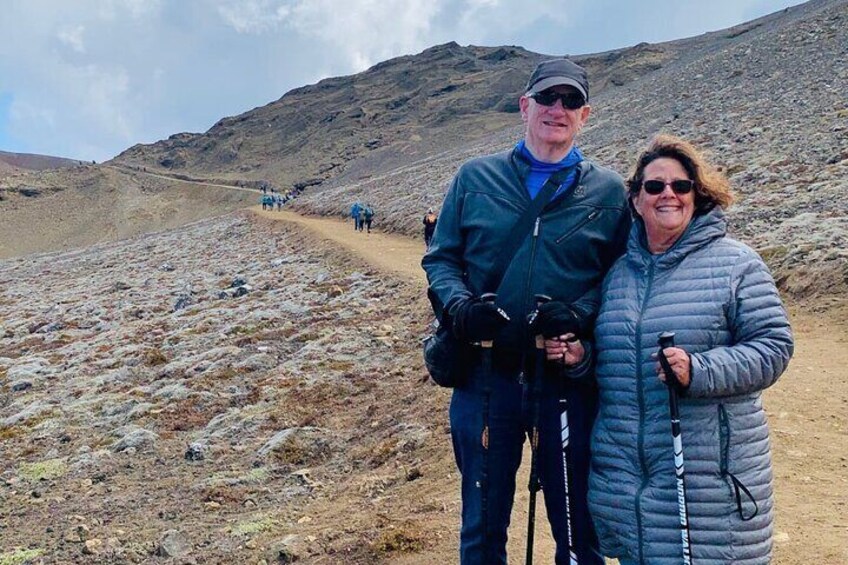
5	108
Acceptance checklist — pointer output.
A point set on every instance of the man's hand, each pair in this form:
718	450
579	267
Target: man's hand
556	319
564	349
476	321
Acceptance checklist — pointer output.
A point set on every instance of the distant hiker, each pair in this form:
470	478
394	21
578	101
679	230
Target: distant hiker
563	251
354	213
360	220
279	198
430	220
683	274
369	216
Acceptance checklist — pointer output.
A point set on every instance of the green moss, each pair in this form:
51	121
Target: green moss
248	528
19	556
257	475
43	470
398	540
774	255
222	479
8	432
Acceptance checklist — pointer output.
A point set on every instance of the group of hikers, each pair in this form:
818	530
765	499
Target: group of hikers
615	324
271	197
362	215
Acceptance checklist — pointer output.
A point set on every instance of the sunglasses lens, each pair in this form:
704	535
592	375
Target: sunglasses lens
653	186
572	101
682	186
546	98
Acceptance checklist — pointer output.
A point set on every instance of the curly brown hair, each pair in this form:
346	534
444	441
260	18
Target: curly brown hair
711	186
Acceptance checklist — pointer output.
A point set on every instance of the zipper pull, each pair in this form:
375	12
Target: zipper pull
536	227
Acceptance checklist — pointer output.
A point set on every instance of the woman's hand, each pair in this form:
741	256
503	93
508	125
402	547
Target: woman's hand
680	364
561	350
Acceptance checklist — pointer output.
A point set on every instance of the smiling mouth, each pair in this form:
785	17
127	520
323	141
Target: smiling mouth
556	125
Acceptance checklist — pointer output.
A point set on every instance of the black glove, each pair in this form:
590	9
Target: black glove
476	321
555	319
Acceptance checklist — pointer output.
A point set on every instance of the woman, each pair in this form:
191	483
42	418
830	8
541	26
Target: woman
682	274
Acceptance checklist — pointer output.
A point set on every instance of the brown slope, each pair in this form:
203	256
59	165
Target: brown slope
33	162
72	208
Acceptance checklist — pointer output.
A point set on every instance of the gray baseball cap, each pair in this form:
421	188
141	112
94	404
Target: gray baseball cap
555	72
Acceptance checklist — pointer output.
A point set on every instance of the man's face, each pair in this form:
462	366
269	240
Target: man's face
551	128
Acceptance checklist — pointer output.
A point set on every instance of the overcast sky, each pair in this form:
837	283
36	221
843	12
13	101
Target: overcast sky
88	78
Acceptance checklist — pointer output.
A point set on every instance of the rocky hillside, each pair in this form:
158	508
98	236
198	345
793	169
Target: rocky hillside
766	100
396	112
218	390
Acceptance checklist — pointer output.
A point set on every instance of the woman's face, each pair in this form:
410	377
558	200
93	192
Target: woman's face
667	214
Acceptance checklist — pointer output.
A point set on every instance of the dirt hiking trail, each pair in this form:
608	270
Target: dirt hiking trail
807	409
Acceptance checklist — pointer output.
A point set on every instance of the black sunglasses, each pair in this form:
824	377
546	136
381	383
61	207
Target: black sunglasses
570	100
681	186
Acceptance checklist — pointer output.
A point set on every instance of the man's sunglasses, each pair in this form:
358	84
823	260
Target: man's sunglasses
682	186
570	100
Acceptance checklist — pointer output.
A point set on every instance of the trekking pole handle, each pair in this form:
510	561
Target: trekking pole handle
540	299
666	340
488	298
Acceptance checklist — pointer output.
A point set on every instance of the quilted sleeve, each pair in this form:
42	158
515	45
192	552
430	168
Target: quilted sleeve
762	339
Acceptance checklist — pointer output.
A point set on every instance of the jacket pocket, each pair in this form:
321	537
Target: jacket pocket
739	488
590	217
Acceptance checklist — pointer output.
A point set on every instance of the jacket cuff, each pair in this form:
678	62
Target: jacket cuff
583	368
697	378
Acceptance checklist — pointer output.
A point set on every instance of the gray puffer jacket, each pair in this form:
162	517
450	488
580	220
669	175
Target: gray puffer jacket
717	295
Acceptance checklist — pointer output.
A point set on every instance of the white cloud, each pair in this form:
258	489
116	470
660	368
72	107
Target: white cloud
137	9
255	16
89	78
367	31
72	36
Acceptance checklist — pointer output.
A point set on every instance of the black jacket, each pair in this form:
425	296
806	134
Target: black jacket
580	234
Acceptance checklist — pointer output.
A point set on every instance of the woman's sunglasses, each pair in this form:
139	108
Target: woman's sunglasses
654	187
570	100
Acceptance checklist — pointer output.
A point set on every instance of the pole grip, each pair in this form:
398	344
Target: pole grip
665	340
540	299
488	298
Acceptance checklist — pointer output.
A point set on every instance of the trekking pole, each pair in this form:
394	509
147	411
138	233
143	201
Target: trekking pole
536	390
564	436
666	339
486	358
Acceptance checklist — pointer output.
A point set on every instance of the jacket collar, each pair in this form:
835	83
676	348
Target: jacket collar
521	166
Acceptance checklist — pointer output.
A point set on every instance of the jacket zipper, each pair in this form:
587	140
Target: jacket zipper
592	215
641	399
534	239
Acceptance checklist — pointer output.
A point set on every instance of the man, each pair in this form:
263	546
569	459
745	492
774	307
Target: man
579	234
354	213
369	217
430	220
